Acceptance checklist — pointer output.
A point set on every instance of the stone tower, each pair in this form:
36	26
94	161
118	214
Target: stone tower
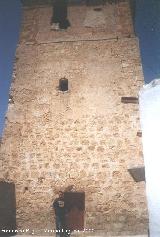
84	138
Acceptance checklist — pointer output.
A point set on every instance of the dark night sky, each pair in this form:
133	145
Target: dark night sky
147	26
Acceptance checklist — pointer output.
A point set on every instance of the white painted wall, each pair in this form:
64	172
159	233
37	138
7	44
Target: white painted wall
149	98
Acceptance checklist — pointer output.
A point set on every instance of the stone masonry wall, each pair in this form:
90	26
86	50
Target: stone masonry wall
84	137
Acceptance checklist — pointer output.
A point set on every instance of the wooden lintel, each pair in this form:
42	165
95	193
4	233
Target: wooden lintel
139	134
129	100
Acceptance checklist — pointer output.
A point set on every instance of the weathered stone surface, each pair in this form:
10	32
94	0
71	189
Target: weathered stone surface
84	137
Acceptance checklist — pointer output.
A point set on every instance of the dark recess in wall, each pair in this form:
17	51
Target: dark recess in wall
7	209
47	2
71	2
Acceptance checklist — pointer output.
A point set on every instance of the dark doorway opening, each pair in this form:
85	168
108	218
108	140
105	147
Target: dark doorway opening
75	204
7	209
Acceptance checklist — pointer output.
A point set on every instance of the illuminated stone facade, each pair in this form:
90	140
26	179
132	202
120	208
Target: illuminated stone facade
84	137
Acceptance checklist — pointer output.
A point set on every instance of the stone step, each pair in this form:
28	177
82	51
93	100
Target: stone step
98	233
108	235
87	236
